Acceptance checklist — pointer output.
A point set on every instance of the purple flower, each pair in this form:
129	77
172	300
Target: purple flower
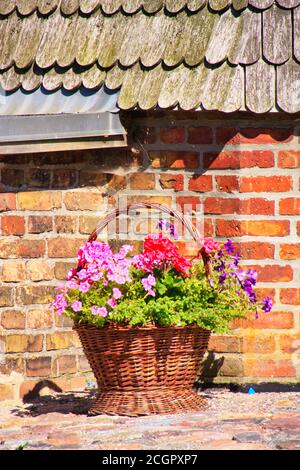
82	274
117	293
100	311
240	275
77	306
229	246
267	304
84	286
220	267
251	276
236	258
222	278
252	297
220	254
165	225
148	283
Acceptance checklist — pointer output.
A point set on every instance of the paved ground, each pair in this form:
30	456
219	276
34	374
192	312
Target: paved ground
237	421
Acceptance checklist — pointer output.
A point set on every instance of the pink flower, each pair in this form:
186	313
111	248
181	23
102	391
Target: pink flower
77	306
100	311
112	303
71	273
148	283
105	283
117	293
210	245
84	286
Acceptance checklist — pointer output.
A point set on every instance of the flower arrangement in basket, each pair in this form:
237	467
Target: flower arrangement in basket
145	320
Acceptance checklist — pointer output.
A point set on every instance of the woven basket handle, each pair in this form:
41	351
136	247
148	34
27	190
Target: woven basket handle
172	212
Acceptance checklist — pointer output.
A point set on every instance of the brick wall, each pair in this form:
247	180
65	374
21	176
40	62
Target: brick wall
246	173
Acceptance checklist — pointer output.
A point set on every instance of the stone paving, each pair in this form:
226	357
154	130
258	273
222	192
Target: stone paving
231	421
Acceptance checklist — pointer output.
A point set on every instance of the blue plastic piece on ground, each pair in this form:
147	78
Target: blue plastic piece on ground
251	391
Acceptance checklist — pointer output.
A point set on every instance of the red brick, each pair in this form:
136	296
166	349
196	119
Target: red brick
290	295
225	344
234	228
262	292
257	342
273	273
290	251
201	183
30	248
38	367
12	225
116	182
65	223
298	228
39	224
239	159
65	365
208	227
290	343
142	181
35	343
186	203
257	206
7	202
171	181
175	160
289	206
39	200
226	135
262	367
256	250
265	184
227	184
289	159
200	135
273	320
39	318
164	200
214	205
172	135
13	320
83	201
64	247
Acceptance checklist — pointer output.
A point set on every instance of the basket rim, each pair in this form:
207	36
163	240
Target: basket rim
115	326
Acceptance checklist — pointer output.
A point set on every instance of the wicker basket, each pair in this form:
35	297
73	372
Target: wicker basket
139	370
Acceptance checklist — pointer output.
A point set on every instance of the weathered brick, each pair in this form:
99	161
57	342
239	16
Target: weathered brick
273	320
12	225
65	364
64	179
13	320
39	318
262	367
87	223
252	135
200	135
273	273
39	270
165	200
145	135
257	342
289	159
62	340
6	296
8	249
64	247
116	182
35	294
172	135
235	228
38	367
84	365
172	159
16	343
290	251
62	268
62	321
232	366
290	295
225	344
12	177
265	184
92	178
171	181
7	202
290	343
40	224
35	343
238	159
202	183
30	248
227	183
256	250
39	201
289	206
12	365
38	178
13	271
79	200
65	223
142	181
